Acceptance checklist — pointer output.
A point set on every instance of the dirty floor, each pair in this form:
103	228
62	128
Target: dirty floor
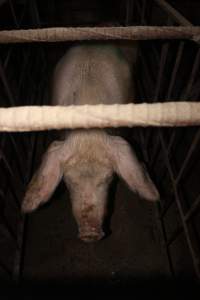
132	251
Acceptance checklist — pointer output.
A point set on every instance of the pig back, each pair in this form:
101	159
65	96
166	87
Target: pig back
93	74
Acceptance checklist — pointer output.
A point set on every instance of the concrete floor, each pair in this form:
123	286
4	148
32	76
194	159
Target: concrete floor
131	252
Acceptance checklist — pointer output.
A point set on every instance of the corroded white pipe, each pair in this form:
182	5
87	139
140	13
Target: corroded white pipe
34	118
59	34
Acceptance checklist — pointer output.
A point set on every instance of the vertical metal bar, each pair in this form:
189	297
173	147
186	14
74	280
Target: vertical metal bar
163	59
19	159
193	74
129	11
8	167
23	71
188	156
175	69
13	14
169	92
9	230
6	85
139	9
174	236
171	268
35	13
166	208
144	4
192	209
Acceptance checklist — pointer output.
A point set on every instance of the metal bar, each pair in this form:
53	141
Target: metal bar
196	90
138	7
193	209
9	231
175	234
195	69
188	156
34	13
163	58
171	85
9	169
13	13
20	159
173	13
6	86
146	70
12	48
167	249
129	11
23	72
175	69
59	34
38	118
9	53
195	259
166	208
5	269
144	5
18	256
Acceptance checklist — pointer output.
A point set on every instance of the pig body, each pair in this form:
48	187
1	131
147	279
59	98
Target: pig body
87	159
93	74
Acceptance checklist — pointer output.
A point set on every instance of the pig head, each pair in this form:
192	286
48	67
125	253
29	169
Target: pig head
87	159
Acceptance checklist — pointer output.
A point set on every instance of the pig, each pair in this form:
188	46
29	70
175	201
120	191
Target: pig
87	158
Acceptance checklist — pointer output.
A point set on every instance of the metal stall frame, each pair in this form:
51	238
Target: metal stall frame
15	187
176	17
185	30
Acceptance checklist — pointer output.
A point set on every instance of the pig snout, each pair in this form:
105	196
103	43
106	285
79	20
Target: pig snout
90	228
90	221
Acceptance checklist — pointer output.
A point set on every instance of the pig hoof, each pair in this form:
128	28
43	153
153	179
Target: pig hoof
89	238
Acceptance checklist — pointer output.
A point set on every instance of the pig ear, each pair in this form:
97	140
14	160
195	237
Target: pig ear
46	178
127	166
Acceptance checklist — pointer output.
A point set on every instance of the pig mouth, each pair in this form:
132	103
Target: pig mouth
91	236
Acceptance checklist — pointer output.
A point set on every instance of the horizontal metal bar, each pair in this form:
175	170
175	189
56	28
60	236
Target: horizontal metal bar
59	34
31	118
173	13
